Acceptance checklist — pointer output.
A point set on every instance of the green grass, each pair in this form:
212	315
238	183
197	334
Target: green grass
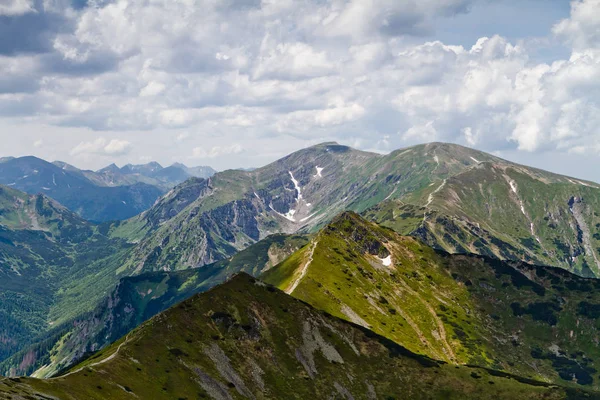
250	340
493	314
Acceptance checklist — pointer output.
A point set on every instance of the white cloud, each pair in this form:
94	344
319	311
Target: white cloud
216	151
16	7
101	146
182	137
250	72
290	61
582	28
38	143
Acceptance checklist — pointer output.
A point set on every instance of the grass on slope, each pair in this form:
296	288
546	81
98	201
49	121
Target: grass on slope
247	340
537	322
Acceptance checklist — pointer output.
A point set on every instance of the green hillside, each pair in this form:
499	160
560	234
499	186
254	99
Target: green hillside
135	300
454	198
245	339
505	211
53	267
537	322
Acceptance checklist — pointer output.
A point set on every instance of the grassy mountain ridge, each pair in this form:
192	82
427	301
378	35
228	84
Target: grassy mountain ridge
246	340
454	198
509	212
532	321
300	192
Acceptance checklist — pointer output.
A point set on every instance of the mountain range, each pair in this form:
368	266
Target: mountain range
454	198
111	193
448	259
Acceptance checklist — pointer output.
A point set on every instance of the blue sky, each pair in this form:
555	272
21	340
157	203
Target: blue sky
235	83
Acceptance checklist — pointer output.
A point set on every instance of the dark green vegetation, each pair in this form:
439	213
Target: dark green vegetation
538	322
245	339
53	266
453	198
135	300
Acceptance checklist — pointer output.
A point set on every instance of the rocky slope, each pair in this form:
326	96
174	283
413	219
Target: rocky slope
300	192
537	322
247	340
454	198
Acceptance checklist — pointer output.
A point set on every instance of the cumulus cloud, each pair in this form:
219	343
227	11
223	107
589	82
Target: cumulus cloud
101	146
16	7
216	151
362	71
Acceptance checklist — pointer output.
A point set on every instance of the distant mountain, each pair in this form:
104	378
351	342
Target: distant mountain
247	340
75	190
454	198
532	321
152	173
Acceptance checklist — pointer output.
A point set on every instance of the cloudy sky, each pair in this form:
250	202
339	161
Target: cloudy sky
239	83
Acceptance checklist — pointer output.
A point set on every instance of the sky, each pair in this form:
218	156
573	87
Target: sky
240	83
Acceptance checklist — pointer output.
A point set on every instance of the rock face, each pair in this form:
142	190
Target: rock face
247	340
300	192
454	198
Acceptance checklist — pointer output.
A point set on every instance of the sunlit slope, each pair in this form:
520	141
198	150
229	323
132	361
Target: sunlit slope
537	322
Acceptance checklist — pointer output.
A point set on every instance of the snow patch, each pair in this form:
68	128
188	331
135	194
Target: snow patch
296	186
54	180
436	159
257	196
46	188
307	218
386	261
476	160
289	215
319	170
123	201
11	184
514	188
